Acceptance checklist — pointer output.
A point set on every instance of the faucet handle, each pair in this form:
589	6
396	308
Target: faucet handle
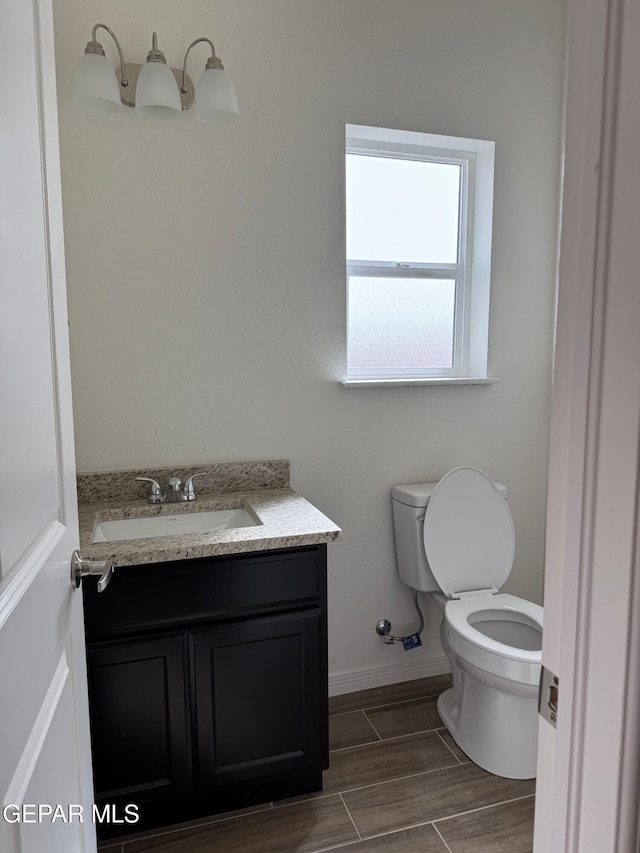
156	496
188	491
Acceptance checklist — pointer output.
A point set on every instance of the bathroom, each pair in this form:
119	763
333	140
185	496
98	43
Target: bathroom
206	272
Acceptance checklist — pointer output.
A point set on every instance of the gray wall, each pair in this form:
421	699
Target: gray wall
206	268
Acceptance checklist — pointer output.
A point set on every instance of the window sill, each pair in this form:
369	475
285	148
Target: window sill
408	383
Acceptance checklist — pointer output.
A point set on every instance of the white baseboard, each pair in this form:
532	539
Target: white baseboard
389	673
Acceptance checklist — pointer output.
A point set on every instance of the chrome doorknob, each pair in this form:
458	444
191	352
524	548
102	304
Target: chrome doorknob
83	568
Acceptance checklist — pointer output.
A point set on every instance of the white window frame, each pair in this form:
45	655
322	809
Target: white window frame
471	271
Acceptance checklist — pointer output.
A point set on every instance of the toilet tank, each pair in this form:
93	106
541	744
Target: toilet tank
409	505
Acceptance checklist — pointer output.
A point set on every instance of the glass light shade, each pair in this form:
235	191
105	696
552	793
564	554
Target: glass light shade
157	93
95	86
215	98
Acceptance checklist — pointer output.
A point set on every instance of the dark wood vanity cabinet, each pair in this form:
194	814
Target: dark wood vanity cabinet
139	702
208	683
265	721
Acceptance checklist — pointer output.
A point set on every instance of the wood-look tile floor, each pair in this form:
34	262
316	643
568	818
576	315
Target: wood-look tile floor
397	784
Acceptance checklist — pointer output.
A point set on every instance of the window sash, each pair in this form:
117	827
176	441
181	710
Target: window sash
397	268
458	350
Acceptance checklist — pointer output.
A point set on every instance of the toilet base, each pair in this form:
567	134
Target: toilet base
497	729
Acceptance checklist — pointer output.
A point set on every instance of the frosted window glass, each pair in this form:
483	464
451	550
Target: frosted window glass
401	323
405	211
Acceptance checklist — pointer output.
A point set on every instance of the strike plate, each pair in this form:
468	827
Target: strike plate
548	697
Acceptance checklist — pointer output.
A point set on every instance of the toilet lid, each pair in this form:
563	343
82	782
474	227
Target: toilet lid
469	538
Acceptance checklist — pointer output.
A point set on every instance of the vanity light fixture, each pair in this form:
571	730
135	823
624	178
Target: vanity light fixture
154	89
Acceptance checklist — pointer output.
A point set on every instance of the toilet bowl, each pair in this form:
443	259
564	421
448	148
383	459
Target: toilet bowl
456	540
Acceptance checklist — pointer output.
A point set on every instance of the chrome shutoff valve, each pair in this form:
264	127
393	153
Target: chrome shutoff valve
383	627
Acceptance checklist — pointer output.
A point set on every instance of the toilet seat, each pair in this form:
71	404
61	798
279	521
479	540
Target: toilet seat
458	612
469	538
469	541
499	659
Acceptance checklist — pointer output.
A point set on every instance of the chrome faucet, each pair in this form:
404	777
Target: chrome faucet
175	493
188	492
157	496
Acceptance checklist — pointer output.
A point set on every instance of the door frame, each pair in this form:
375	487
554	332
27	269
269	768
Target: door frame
588	769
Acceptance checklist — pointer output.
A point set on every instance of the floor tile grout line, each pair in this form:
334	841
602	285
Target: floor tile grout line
340	795
440	837
391	832
351	817
388	834
411	734
388	704
353	746
448	747
338	846
346	713
397	831
305	798
400	779
354	841
432	823
482	808
342	791
386	739
341	844
210	821
371	724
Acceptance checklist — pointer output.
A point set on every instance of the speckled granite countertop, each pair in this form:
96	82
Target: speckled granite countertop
285	519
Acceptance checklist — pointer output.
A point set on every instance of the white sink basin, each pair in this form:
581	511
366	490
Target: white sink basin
172	525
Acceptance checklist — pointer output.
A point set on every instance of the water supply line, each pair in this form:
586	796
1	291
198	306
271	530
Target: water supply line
411	641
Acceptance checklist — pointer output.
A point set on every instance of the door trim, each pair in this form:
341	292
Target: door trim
588	769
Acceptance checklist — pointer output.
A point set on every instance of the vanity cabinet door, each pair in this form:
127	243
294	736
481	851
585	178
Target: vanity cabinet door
260	693
138	700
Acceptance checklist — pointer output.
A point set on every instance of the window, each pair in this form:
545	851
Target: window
419	210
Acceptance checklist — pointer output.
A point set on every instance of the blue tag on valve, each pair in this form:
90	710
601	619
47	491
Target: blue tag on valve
411	642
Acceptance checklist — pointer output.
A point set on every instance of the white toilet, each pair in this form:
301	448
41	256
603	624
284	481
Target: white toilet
457	536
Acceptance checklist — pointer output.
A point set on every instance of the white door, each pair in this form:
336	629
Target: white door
45	756
588	768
